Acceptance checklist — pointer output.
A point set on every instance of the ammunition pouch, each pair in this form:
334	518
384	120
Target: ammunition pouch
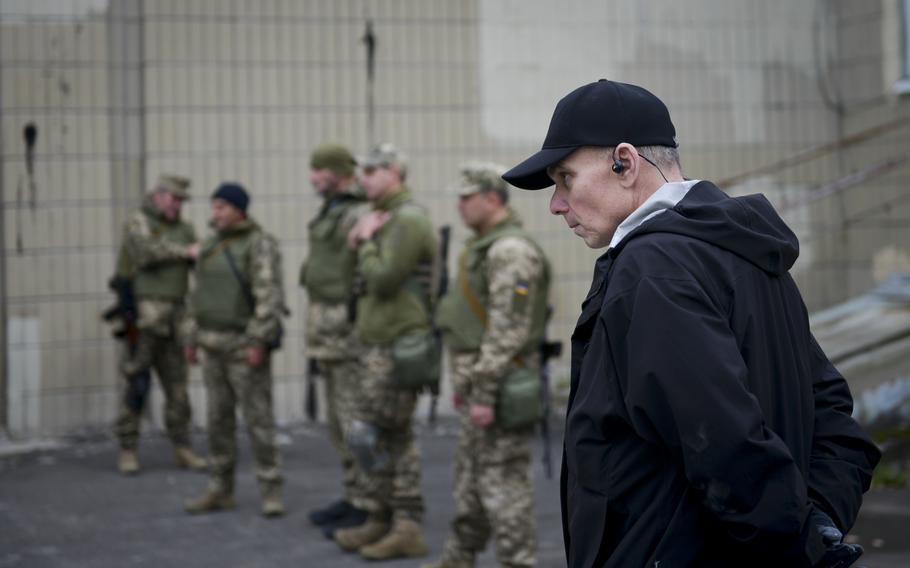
518	403
417	361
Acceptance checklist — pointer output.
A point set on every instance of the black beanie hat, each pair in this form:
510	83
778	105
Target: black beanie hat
234	194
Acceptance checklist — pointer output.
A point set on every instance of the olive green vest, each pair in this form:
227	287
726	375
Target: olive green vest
328	272
165	280
462	315
220	301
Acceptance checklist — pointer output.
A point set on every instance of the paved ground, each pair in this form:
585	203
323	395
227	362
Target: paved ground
62	507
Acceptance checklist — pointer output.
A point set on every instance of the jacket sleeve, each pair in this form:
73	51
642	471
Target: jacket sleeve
267	290
387	261
514	271
843	457
685	389
146	249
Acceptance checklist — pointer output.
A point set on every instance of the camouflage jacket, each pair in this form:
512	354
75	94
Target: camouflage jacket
145	249
258	259
516	275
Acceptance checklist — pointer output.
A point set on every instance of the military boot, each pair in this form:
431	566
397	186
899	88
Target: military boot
356	537
128	462
447	564
405	540
186	458
215	498
271	501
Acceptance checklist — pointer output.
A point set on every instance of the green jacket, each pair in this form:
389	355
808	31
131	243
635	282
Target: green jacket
252	304
328	271
155	248
397	300
464	312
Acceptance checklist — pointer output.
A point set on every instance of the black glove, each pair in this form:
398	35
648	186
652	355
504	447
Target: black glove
831	535
839	554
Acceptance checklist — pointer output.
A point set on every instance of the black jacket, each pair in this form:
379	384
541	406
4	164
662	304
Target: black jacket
704	421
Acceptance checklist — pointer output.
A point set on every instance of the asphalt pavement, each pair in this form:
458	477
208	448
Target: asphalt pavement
65	505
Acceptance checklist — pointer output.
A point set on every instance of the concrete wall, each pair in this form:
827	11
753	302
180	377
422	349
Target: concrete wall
243	89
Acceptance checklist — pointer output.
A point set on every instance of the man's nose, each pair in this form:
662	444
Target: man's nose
558	205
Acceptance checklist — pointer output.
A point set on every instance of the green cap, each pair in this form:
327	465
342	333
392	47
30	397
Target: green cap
176	185
333	157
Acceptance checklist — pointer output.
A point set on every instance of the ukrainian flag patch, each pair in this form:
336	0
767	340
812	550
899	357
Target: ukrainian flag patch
522	288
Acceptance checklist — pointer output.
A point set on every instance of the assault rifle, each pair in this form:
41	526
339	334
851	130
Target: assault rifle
311	406
439	288
548	350
124	312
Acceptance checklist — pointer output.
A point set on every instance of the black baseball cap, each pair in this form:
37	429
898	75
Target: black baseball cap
605	113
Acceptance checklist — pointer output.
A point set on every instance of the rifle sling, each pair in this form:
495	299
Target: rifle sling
474	303
247	291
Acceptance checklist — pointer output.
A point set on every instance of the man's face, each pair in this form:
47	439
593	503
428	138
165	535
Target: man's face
224	214
324	181
378	180
168	204
475	209
589	196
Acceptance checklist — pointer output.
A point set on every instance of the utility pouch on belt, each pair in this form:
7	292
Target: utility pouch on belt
518	404
417	361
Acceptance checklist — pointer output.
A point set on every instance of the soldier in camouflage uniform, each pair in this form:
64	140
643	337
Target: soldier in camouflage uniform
157	251
395	244
327	274
492	319
235	316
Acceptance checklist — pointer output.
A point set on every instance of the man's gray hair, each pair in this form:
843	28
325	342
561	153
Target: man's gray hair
663	156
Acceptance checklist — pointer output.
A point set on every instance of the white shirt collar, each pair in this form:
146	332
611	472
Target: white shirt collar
664	198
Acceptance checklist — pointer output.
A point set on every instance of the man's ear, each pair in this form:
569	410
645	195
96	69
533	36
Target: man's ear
627	154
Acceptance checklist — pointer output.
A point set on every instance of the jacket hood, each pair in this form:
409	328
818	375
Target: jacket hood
747	226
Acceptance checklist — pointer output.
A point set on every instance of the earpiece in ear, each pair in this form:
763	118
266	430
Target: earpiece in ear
617	166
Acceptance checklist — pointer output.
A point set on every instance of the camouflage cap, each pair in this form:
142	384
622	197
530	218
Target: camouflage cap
382	155
176	185
334	157
482	177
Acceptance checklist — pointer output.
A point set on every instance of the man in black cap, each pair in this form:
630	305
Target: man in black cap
705	426
235	316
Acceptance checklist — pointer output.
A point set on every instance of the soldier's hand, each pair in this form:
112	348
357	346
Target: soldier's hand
366	227
191	354
482	415
255	356
192	251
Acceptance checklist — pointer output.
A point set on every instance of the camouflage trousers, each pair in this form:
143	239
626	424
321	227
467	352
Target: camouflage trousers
230	382
165	355
494	493
342	382
392	488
